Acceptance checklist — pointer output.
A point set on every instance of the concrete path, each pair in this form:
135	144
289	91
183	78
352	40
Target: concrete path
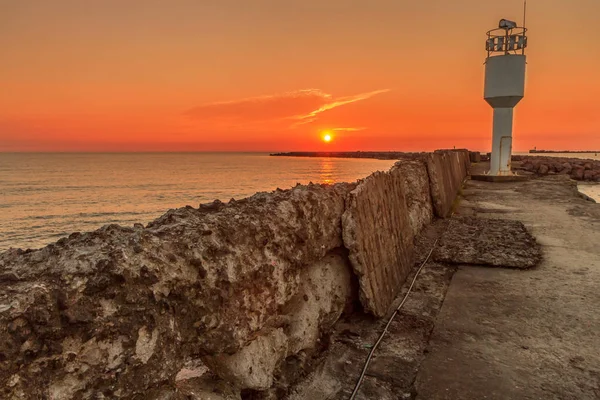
513	334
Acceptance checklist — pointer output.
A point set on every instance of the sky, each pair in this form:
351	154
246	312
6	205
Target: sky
274	75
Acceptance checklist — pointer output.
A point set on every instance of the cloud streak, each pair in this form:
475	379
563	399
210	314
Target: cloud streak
340	102
349	129
284	110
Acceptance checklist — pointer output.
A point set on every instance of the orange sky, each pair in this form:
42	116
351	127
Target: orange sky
269	75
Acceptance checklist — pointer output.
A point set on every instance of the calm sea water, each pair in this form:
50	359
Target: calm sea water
44	197
590	189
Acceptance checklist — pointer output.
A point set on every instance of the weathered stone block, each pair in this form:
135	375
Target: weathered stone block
474	156
324	292
447	171
415	181
253	366
378	233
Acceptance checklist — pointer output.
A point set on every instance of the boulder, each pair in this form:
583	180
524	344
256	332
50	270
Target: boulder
555	166
577	173
528	166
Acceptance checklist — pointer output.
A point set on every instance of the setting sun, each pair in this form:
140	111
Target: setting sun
327	137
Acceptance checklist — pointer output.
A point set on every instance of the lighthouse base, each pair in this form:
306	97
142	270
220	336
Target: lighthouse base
502	142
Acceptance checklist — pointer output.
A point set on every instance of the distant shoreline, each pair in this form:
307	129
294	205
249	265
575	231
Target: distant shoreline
564	151
379	155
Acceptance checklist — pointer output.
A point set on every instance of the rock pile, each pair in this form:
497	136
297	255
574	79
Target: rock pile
578	169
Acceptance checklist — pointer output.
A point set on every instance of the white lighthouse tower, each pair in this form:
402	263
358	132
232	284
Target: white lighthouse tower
504	87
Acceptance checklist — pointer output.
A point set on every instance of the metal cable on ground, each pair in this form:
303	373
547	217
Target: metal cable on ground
362	375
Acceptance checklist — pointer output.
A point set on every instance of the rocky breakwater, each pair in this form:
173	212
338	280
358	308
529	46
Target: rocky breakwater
224	301
577	168
446	170
232	289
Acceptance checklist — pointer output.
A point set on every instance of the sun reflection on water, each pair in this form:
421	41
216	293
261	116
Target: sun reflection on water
326	171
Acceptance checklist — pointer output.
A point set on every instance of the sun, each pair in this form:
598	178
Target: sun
327	136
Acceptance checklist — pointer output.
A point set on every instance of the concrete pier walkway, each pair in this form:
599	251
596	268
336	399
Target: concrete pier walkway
523	334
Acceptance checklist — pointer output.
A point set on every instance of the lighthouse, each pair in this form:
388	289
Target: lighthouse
504	88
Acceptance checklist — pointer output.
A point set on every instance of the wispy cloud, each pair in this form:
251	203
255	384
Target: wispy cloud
270	107
340	102
284	110
349	129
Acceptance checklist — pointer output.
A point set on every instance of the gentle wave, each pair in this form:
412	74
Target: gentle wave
85	215
47	196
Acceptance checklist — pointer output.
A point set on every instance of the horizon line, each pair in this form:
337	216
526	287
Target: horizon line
260	151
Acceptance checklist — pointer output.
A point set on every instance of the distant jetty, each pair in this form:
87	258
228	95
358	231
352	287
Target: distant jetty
377	155
534	151
380	155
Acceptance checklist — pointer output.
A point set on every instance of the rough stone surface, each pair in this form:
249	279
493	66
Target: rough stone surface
325	290
253	366
379	236
415	182
447	171
577	168
204	388
487	241
324	293
119	310
474	156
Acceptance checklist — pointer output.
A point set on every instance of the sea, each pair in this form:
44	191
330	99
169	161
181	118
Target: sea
46	196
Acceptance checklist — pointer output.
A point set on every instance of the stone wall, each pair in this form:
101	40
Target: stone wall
417	193
383	215
447	170
376	219
231	297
